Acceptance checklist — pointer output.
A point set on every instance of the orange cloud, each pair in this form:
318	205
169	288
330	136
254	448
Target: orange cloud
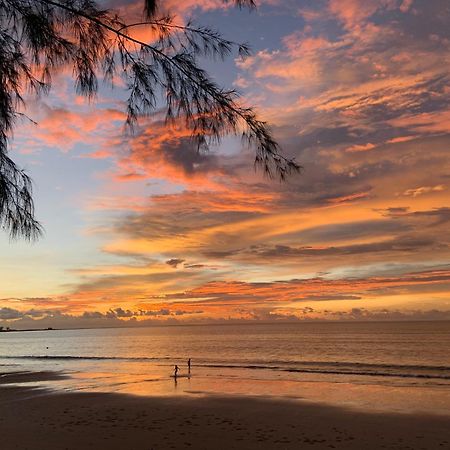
361	148
318	297
423	190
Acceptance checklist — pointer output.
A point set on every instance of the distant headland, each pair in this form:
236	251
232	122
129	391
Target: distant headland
13	330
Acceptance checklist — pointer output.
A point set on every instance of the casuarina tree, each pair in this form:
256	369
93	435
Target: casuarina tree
38	38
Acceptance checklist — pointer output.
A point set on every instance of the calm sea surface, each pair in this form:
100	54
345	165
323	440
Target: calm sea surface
382	365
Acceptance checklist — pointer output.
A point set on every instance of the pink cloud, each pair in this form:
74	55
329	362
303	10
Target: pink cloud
63	129
406	5
354	13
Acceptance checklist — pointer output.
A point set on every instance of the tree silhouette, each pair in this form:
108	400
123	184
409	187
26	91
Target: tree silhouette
40	37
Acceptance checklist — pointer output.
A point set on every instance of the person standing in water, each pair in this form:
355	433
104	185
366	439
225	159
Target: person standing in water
175	371
189	365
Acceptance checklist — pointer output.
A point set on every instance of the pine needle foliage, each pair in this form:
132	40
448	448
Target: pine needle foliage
40	37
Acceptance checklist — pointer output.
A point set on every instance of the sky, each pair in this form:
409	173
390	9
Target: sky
143	229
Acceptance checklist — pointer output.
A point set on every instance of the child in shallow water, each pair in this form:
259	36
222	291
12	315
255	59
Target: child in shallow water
175	371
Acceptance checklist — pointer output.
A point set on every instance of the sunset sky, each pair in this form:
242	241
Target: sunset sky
145	228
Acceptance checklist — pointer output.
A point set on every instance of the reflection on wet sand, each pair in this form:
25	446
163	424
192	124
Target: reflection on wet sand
363	395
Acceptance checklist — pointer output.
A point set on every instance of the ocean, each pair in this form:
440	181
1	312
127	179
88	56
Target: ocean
400	366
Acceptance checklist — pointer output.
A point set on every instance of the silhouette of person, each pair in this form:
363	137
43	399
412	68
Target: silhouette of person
189	365
175	371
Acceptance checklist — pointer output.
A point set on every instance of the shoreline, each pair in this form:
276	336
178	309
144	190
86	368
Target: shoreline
358	392
37	418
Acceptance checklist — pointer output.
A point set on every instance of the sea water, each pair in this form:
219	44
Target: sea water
401	366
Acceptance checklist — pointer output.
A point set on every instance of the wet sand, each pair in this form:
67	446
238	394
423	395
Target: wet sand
37	419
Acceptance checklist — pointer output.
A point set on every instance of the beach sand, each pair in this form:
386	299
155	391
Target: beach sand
37	419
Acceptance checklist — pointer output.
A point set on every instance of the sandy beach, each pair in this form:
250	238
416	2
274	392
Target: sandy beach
37	419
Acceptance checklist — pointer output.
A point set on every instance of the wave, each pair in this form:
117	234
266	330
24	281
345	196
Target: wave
308	367
95	358
374	373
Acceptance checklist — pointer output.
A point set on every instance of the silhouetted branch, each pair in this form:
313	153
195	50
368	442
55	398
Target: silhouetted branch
39	37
